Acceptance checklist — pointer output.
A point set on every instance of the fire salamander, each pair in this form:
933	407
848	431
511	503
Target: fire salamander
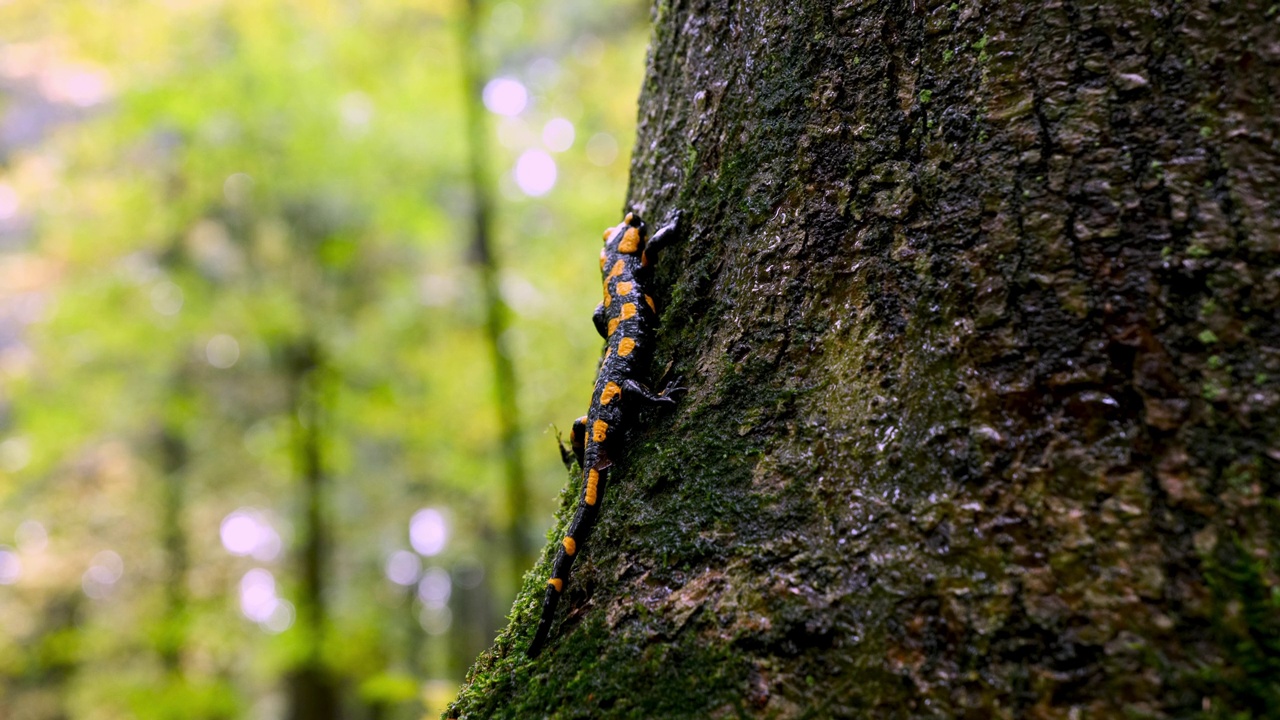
625	319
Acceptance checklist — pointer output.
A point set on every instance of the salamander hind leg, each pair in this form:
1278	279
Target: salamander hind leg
578	438
674	389
577	444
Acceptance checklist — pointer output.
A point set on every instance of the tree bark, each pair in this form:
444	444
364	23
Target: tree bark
978	306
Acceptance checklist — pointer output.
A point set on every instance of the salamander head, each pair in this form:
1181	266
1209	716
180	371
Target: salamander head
627	238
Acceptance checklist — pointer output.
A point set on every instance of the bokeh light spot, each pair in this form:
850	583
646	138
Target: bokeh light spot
281	617
515	134
222	351
505	96
438	290
166	298
237	188
258	595
269	545
240	533
543	72
602	149
435	587
535	173
31	536
104	570
106	567
557	135
403	567
15	453
435	620
428	532
79	86
247	532
10	566
356	111
8	201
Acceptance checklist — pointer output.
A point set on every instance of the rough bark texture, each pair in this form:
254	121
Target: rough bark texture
979	312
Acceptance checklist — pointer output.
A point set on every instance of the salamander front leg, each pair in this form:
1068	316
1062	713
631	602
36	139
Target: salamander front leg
633	393
601	320
665	235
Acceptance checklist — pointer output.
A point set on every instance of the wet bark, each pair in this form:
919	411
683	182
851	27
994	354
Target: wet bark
978	308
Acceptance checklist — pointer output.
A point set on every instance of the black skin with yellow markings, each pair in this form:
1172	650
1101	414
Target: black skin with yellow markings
626	318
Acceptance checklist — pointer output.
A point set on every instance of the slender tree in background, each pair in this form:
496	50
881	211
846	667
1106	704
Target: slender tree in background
313	691
978	310
497	313
174	453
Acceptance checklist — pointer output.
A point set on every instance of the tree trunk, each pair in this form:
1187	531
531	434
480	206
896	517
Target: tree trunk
174	454
978	307
520	550
313	690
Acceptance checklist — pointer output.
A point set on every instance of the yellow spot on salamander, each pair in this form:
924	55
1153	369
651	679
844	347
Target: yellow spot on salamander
606	236
624	288
570	545
613	325
603	256
628	218
630	241
611	389
649	300
617	268
628	311
608	299
599	430
556	583
625	346
593	482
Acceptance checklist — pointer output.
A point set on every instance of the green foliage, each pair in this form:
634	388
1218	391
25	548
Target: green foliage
179	699
261	176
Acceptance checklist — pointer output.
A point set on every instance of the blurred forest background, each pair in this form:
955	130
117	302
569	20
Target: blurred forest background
255	364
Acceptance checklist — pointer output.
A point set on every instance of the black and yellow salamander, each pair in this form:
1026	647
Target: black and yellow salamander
626	318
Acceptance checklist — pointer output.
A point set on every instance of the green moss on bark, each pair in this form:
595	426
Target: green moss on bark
979	327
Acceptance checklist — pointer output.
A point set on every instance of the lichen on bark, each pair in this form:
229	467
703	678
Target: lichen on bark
978	308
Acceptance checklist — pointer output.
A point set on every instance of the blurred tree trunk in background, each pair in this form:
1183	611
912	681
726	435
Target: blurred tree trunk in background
174	454
978	307
497	314
313	689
